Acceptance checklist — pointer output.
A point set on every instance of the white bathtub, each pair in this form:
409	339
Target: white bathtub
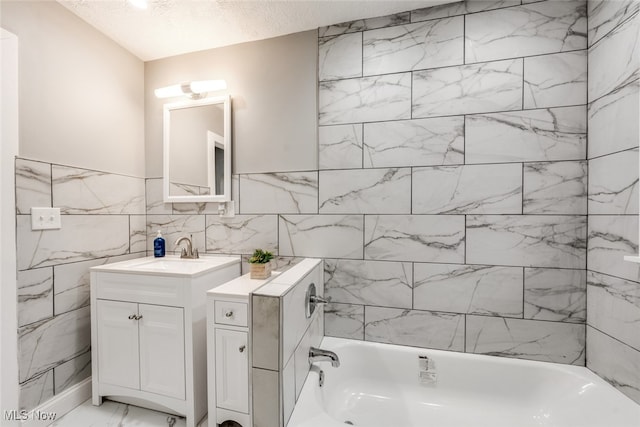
378	385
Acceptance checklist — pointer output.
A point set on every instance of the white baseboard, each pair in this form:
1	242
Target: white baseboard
60	405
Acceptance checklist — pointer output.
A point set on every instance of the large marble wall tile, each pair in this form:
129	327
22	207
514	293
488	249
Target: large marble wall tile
459	8
555	188
555	294
33	185
527	240
175	226
480	189
365	24
72	290
612	120
81	191
340	147
35	295
416	46
380	283
155	198
420	142
340	57
615	60
242	234
613	184
82	237
615	362
286	192
529	136
331	236
72	372
426	238
138	233
196	208
467	89
555	80
344	321
443	331
614	307
46	344
478	289
606	15
545	27
36	390
611	237
526	339
367	99
365	191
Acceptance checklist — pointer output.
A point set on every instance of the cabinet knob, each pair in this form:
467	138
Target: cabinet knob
242	348
229	313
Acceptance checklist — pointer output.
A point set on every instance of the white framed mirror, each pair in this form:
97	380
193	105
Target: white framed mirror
197	150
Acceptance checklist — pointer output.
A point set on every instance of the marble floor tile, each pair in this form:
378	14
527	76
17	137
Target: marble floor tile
114	414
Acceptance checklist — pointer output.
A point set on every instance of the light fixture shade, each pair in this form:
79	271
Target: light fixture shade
194	89
169	91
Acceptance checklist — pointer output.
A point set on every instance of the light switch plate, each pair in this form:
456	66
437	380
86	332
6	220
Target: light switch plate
45	219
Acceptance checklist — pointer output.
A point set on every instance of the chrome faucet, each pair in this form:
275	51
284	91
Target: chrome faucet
319	355
189	252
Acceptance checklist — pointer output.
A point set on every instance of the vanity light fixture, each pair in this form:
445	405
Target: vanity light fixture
194	90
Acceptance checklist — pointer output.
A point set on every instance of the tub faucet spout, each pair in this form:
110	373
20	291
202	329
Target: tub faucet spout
318	355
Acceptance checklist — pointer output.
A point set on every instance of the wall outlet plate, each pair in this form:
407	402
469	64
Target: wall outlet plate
45	219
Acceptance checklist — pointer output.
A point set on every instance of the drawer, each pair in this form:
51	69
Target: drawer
230	313
139	288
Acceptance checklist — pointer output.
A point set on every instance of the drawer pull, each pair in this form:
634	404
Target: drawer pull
228	314
242	348
132	317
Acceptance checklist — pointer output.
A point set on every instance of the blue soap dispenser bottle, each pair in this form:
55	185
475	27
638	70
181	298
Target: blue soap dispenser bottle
158	245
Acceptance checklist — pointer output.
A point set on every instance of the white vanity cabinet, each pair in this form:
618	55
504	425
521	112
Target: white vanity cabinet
228	322
148	325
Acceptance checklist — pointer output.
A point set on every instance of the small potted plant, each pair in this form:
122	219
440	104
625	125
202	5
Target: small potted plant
259	264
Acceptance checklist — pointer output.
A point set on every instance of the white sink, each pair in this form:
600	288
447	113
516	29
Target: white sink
171	265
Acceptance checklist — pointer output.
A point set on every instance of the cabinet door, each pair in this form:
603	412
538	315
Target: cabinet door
162	368
232	370
118	344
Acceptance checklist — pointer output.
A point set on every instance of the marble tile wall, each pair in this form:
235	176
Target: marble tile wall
613	285
458	134
99	225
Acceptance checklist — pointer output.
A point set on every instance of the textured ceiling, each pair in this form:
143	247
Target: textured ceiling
173	27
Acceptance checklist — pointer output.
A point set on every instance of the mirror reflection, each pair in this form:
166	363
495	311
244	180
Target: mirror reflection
197	151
